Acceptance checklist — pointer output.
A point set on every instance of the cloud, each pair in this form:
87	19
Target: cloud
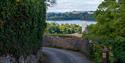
78	5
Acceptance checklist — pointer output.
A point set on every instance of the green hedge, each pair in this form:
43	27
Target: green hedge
116	44
95	53
22	24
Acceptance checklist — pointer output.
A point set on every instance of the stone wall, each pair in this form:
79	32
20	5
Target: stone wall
22	59
71	42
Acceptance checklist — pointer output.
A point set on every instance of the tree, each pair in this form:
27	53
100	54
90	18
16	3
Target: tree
110	28
50	2
22	23
54	28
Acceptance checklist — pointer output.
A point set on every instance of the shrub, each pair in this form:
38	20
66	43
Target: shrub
22	23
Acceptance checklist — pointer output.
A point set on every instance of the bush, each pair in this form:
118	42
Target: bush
114	43
110	28
22	23
55	28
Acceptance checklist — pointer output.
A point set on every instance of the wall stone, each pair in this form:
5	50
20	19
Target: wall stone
29	59
73	43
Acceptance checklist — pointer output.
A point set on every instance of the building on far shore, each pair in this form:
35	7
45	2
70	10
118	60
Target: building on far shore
84	26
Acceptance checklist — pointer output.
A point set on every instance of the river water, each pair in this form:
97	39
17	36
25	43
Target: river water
79	22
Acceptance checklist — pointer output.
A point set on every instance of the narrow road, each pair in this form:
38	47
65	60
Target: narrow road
64	56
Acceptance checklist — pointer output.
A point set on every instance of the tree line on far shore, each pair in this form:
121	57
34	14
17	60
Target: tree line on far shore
76	15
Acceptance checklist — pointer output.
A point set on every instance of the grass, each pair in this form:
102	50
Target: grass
65	35
60	35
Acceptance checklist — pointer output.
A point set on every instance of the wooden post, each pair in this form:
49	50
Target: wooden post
105	55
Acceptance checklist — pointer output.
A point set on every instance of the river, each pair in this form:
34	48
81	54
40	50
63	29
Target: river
78	22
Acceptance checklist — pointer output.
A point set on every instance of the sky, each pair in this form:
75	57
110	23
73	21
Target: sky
74	5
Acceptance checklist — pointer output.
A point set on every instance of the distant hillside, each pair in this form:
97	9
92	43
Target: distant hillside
75	15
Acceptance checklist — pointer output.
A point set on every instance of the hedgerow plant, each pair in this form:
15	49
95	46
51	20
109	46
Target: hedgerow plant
109	30
22	24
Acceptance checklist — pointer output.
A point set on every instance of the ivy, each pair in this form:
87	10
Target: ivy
22	24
